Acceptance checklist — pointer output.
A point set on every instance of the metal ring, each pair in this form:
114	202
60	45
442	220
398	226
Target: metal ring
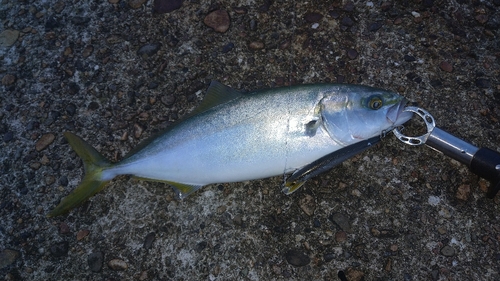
429	122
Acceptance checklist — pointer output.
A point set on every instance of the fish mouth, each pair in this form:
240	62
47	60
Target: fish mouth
396	114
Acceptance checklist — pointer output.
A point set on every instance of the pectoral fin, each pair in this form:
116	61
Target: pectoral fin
292	186
325	163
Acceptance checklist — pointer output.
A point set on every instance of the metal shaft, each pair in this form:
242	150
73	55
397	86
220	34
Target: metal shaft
483	162
451	146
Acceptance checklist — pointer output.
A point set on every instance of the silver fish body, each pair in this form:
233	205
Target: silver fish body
235	137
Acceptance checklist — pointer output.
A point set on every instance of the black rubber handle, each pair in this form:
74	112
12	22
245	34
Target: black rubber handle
486	164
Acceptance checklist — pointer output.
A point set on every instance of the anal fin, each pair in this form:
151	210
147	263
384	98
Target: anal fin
181	190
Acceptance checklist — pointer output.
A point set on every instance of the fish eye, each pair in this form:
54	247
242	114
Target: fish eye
375	102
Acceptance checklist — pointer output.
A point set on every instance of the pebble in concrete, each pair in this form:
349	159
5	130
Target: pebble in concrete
307	204
8	37
149	50
8	257
44	141
297	258
446	66
342	221
8	80
448	251
148	241
59	249
95	261
166	6
136	4
117	264
218	20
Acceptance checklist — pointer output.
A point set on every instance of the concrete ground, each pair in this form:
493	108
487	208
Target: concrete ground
115	72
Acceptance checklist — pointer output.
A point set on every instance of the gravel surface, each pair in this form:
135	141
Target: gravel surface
117	71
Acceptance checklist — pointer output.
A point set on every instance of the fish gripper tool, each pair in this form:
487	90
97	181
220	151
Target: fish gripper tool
483	162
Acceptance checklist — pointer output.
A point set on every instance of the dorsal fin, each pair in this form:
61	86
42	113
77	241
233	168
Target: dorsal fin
217	93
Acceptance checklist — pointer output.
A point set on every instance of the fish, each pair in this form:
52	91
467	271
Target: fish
234	136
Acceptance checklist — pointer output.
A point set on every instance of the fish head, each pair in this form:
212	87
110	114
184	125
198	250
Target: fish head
362	112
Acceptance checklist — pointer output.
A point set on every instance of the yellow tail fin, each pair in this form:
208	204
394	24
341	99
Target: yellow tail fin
92	183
